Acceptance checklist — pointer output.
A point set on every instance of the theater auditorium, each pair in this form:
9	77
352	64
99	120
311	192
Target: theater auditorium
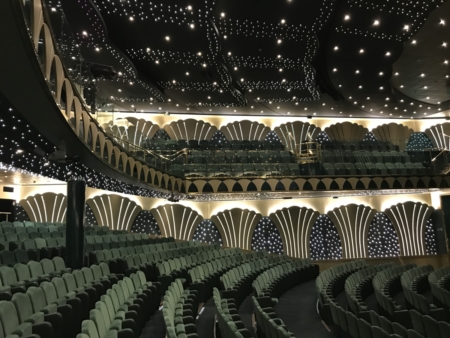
224	168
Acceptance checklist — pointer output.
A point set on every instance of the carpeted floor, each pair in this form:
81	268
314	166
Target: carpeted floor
205	321
297	309
155	327
246	313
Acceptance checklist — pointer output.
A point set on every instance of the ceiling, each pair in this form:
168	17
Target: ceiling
12	176
323	58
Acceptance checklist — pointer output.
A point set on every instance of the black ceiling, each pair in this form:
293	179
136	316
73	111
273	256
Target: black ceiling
338	58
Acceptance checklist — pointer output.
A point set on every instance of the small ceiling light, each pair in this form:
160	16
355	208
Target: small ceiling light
189	8
336	47
283	21
279	56
442	22
381	74
388	53
53	9
357	71
444	44
422	75
361	51
192	25
347	17
334	69
396	74
279	41
131	18
85	33
406	27
413	42
376	23
97	49
222	14
168	38
281	69
187	73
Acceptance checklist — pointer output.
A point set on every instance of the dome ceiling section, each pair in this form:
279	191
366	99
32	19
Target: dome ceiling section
175	45
268	48
365	39
423	68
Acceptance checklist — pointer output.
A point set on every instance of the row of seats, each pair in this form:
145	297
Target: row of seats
326	281
386	285
415	283
230	156
229	321
358	286
360	145
259	169
123	310
31	224
173	145
180	308
40	229
370	156
12	241
439	281
376	169
269	286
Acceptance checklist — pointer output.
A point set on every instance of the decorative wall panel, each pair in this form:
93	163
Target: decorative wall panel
146	223
293	134
48	207
352	222
267	237
245	130
395	133
190	129
89	217
346	131
177	221
20	214
207	232
410	219
439	135
295	225
236	226
383	239
324	241
115	211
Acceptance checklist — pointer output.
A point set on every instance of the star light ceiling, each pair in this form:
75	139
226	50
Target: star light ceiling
320	58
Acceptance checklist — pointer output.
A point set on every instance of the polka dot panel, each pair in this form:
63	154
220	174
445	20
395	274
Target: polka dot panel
325	242
266	237
207	232
146	223
382	237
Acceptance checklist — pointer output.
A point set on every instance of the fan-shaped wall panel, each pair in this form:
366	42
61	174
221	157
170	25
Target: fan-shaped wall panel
410	220
115	211
295	225
346	131
438	135
148	129
293	134
177	221
352	222
190	129
382	237
236	226
48	207
395	133
245	130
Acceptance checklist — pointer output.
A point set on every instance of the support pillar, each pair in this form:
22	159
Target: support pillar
76	190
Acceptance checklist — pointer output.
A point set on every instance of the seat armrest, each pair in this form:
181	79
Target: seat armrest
24	329
51	308
36	318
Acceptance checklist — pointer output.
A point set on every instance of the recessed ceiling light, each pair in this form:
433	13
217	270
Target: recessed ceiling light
376	22
413	42
167	38
279	41
361	51
187	73
347	17
442	22
336	47
283	21
222	14
192	25
131	18
388	53
406	27
189	8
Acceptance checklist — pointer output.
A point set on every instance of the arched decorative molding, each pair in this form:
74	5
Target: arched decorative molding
395	133
352	222
146	128
245	130
115	211
177	221
47	207
293	134
437	135
410	220
236	226
295	225
346	131
190	129
146	223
